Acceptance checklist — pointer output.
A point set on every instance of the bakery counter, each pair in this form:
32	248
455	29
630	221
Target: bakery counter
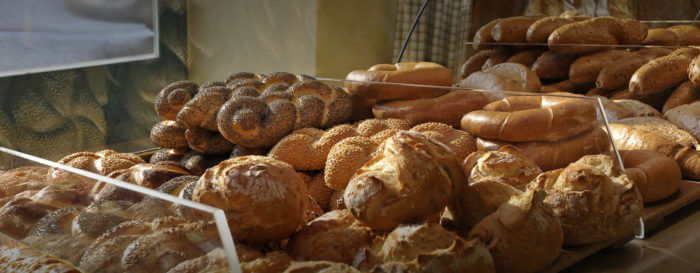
673	247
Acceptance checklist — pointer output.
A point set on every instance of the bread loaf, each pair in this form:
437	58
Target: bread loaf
173	97
662	73
594	200
585	69
638	108
540	30
26	259
482	37
448	108
617	75
475	63
686	117
503	77
368	83
552	155
499	56
596	31
531	118
461	143
169	134
408	167
694	72
660	36
687	35
655	175
513	29
264	207
627	137
553	65
685	93
526	57
663	128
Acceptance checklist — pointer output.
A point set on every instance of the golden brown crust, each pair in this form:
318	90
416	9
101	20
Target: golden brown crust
207	142
508	165
553	65
523	235
638	108
655	175
684	94
627	137
346	157
598	31
540	30
263	198
617	75
335	236
307	149
173	97
22	179
656	100
103	162
20	214
169	134
448	108
585	69
499	56
215	261
503	77
407	168
663	128
660	36
694	72
423	73
26	259
319	191
513	29
272	262
687	35
662	73
526	57
552	155
461	143
431	248
594	200
320	267
474	63
482	37
686	117
531	118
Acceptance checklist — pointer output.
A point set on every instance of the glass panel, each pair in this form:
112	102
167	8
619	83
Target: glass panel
101	224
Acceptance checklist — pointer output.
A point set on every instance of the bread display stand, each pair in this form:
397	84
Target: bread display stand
160	226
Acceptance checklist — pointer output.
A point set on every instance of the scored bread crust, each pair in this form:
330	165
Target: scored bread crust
409	180
264	199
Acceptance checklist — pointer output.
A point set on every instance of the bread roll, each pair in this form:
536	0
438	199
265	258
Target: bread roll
335	236
686	117
263	198
503	77
594	200
408	167
169	134
655	175
531	118
271	262
448	108
684	94
345	158
660	36
173	97
461	143
368	83
523	235
568	86
19	215
431	248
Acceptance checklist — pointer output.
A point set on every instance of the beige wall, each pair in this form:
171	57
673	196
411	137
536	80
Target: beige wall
326	38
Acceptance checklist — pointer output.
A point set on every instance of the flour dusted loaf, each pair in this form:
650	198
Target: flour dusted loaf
264	199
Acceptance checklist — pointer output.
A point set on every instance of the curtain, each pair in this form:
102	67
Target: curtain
440	34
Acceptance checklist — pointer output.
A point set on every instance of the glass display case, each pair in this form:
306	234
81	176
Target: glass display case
216	94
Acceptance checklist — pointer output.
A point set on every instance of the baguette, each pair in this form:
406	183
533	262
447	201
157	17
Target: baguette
553	65
526	58
540	30
482	38
616	75
513	29
594	34
663	73
684	94
660	36
585	69
687	35
425	73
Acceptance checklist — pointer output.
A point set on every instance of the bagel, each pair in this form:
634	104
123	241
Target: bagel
448	108
364	82
655	175
531	118
553	155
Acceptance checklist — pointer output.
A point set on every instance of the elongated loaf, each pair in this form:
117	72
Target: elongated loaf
585	35
617	75
663	73
368	83
448	108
